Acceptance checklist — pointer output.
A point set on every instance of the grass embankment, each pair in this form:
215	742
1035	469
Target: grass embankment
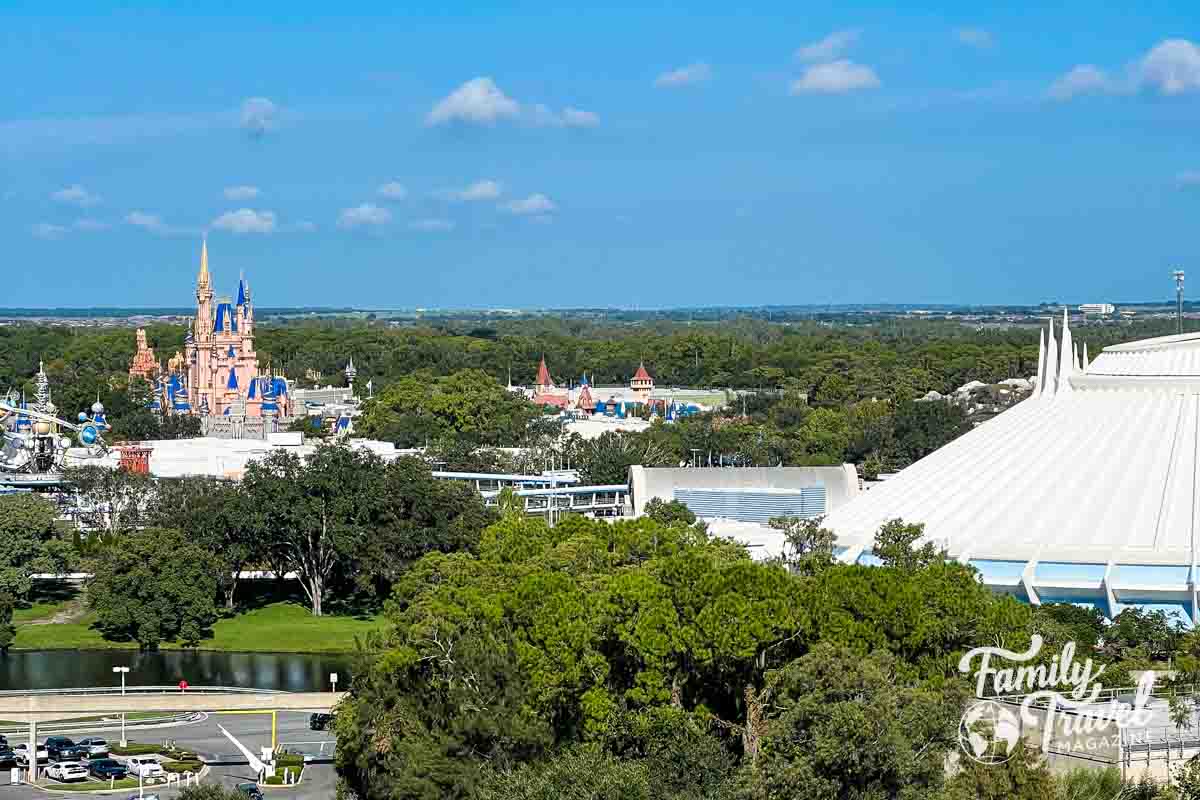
92	786
290	762
277	627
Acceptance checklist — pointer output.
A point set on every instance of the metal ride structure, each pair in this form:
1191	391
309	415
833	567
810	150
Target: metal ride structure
33	441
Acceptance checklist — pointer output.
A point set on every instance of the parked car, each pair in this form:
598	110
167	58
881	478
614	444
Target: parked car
320	722
3	740
105	768
60	748
67	771
145	766
95	746
8	759
22	753
251	790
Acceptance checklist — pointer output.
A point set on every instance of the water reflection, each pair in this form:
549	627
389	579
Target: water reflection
60	669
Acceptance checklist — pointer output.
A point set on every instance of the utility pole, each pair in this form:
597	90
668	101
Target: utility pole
1178	275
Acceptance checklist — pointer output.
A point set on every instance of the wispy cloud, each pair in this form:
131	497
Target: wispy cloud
366	215
392	190
1189	177
260	116
836	77
431	225
684	76
89	225
479	190
830	47
578	118
1172	67
245	220
154	224
76	195
241	192
974	37
45	230
533	204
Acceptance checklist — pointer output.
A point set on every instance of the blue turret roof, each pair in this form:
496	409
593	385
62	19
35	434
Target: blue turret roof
232	353
225	320
241	292
279	386
233	384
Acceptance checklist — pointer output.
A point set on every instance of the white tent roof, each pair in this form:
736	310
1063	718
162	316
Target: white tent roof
1089	490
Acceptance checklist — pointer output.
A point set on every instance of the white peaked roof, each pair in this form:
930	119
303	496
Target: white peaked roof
1088	491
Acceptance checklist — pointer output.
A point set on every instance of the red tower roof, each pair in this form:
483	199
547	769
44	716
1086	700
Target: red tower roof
641	374
543	376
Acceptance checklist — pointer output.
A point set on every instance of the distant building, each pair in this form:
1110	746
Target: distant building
642	384
1103	309
144	364
746	494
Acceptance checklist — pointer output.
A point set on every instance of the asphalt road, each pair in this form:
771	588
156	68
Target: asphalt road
253	730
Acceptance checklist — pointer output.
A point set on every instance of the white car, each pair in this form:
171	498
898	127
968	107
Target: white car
21	751
67	771
95	746
145	766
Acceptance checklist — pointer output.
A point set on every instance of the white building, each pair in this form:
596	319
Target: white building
1087	492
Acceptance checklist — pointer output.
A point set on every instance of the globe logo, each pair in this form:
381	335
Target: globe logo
988	732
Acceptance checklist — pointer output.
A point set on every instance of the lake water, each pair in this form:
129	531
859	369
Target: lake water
63	669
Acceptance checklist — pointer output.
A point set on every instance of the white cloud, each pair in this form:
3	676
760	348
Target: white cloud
76	195
835	77
150	222
974	37
432	225
1173	66
304	226
44	230
578	118
830	47
246	220
241	192
479	190
259	116
692	73
393	191
366	214
1083	79
1189	177
479	101
533	204
90	225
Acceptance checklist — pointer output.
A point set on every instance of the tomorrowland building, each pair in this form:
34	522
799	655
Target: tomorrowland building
217	375
1087	492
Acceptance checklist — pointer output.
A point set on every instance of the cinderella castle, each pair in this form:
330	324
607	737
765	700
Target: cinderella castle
217	375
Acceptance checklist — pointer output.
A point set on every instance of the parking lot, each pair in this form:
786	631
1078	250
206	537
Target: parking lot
204	738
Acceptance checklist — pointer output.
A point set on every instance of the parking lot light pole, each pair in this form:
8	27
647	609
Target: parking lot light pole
123	671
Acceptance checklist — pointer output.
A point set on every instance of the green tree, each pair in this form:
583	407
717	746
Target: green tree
111	501
1024	776
894	546
809	545
671	512
7	631
842	725
468	405
606	459
154	585
28	543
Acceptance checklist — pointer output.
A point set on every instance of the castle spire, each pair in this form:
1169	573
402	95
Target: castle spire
202	279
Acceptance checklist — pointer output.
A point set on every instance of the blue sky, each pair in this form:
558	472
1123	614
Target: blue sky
517	155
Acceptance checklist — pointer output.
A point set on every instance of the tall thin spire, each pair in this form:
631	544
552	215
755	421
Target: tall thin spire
1051	362
1068	361
1040	381
203	279
1085	358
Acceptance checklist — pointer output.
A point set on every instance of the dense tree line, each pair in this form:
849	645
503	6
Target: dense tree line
833	363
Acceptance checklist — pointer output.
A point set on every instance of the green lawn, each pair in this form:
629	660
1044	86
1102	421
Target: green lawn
90	786
278	627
